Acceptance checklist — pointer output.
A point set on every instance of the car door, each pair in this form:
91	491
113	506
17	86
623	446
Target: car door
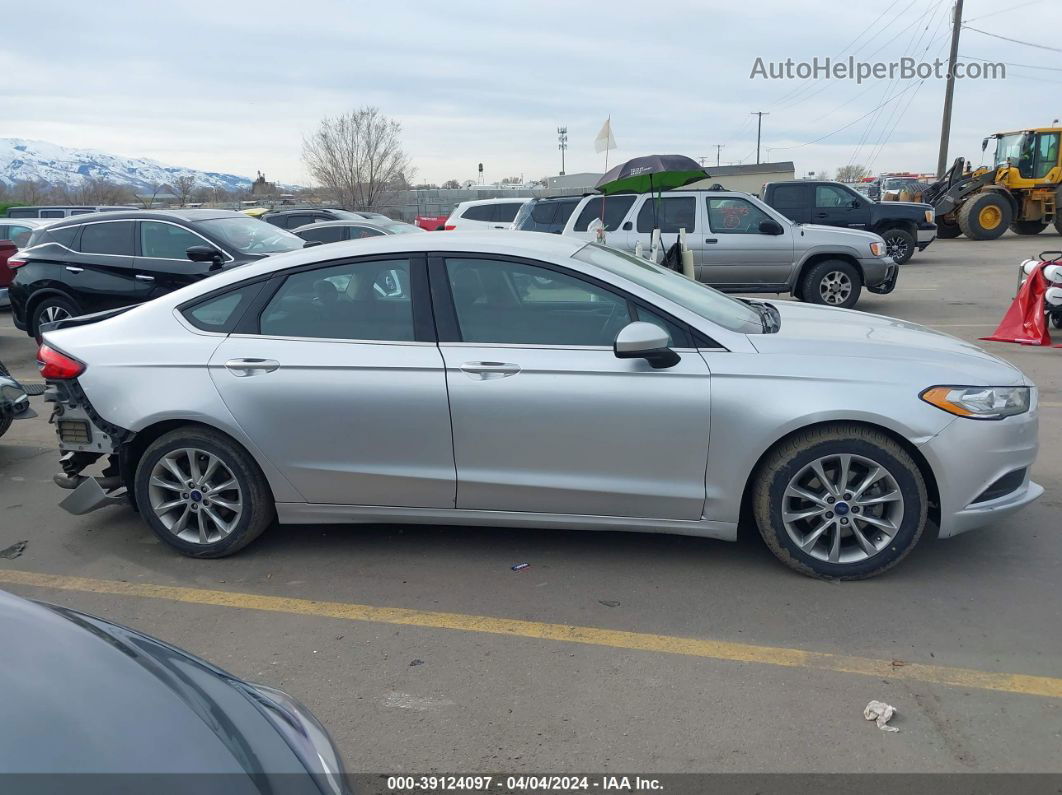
836	206
503	214
545	418
669	214
161	264
738	252
341	385
100	275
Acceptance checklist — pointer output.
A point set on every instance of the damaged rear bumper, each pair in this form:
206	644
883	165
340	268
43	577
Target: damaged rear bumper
84	439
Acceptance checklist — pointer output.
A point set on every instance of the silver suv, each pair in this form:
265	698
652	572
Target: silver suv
739	243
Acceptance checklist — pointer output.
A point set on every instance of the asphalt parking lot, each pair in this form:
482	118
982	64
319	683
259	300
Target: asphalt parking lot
422	650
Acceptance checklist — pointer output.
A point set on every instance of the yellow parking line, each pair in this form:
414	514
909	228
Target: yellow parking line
619	639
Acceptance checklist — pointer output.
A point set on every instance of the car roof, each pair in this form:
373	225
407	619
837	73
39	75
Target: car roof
499	200
377	223
533	245
148	215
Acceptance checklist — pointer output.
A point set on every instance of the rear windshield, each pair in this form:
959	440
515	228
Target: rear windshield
251	236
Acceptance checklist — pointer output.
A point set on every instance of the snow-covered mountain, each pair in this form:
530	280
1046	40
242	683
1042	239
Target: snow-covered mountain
23	160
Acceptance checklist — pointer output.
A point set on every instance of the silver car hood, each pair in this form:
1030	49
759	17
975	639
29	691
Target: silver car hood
831	234
820	331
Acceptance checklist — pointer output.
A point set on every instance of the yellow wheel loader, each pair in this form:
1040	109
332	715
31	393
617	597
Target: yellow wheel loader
1020	191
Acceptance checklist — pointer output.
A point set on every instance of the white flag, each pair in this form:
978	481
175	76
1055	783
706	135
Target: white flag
604	140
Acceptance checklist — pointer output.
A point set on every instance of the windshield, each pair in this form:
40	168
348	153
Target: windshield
1009	147
251	236
730	313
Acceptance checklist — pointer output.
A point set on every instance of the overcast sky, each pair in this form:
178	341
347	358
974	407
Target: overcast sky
234	86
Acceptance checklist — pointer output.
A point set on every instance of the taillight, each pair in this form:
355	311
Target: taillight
16	263
56	366
449	227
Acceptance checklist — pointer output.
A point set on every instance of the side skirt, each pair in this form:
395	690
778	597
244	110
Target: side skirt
305	513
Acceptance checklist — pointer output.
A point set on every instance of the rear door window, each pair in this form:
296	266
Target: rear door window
671	213
505	212
480	212
114	238
790	197
613	208
357	232
53	214
323	234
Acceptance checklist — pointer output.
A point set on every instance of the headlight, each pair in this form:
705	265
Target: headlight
979	402
304	733
930	216
876	249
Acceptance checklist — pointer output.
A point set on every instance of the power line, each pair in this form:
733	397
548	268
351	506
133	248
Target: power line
1008	63
1014	41
893	98
1004	11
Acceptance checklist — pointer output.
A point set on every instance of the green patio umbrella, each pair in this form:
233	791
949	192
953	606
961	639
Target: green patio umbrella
649	174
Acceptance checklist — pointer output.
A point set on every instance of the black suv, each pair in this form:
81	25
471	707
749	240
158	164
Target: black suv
91	263
294	218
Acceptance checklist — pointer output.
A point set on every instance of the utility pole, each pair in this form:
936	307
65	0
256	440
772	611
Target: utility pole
718	148
562	144
949	90
759	114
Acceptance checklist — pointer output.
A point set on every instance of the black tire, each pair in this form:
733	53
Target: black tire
986	216
818	285
946	231
1028	227
899	244
773	477
1056	319
48	305
3	369
256	498
5	419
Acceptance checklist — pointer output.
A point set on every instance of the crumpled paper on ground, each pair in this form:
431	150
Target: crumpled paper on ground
881	713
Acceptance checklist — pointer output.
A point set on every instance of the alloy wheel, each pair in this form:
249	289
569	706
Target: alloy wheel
835	288
842	508
195	495
54	313
896	247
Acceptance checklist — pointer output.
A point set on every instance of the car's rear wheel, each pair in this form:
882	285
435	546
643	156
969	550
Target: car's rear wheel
832	282
840	502
49	310
202	494
899	244
1028	227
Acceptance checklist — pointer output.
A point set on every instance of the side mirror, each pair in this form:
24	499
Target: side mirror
647	341
855	204
627	227
312	243
770	228
203	254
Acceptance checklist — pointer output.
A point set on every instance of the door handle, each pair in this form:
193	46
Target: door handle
74	269
241	368
820	215
144	277
483	371
711	240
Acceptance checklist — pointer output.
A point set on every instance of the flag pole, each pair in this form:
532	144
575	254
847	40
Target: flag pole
608	124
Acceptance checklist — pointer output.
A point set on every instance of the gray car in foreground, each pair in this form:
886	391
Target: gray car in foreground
525	380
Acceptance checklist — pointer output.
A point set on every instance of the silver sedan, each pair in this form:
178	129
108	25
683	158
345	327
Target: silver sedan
524	380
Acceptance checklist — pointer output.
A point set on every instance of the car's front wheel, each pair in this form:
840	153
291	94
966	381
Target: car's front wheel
899	244
841	501
202	493
832	282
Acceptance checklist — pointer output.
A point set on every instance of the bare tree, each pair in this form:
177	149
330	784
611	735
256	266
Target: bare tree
182	188
33	192
358	157
511	181
852	173
147	201
451	184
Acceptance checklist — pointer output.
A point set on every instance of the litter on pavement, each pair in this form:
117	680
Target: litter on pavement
521	566
881	713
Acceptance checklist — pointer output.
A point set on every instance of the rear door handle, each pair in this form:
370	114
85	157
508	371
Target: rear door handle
145	278
483	371
820	215
74	269
242	368
711	240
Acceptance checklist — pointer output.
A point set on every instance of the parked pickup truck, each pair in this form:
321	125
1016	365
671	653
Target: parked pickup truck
904	226
739	244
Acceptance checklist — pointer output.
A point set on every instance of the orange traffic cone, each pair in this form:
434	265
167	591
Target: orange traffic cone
1025	321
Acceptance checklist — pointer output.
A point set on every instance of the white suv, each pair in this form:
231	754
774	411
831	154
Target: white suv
739	243
484	214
